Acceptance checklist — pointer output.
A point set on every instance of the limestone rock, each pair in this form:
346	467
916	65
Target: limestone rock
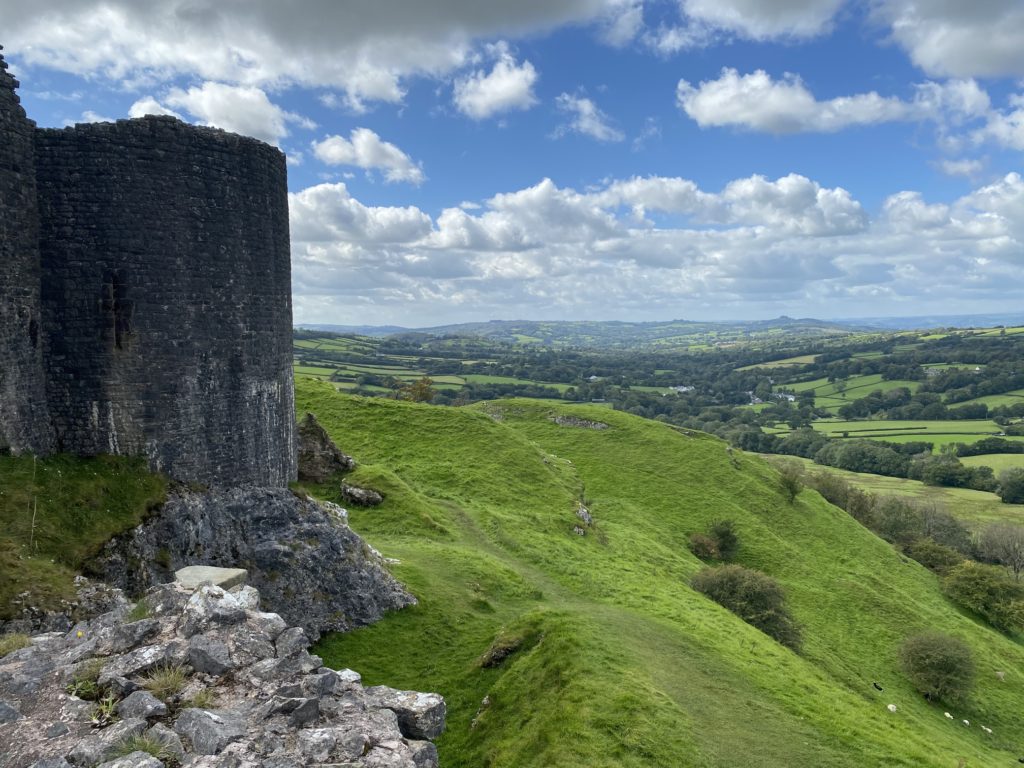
360	497
192	576
102	744
136	759
278	708
420	715
302	557
141	705
209	732
319	457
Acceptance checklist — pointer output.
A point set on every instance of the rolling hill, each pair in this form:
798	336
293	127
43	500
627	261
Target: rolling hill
559	649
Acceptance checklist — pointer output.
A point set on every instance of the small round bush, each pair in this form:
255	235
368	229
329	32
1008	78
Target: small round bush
940	666
704	547
753	596
933	556
989	592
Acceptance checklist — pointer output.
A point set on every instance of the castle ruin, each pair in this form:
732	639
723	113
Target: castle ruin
145	296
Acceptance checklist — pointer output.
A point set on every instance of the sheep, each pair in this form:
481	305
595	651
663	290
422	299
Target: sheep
949	716
986	729
967	723
878	687
1001	676
891	707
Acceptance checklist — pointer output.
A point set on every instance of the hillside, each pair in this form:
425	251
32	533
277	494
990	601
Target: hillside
599	653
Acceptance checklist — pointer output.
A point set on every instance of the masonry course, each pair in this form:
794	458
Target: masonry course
145	296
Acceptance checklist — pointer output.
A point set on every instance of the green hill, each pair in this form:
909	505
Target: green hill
555	649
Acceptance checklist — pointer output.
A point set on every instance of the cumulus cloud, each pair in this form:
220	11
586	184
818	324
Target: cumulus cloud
367	55
959	39
508	86
656	247
241	109
765	19
758	102
964	167
365	149
586	118
147	105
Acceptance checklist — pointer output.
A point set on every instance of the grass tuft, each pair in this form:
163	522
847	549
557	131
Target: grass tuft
165	681
13	642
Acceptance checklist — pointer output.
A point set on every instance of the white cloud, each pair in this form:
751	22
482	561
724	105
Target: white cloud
586	118
959	39
508	86
765	19
328	213
757	102
240	109
368	55
94	117
656	247
624	23
1005	128
147	105
964	167
365	149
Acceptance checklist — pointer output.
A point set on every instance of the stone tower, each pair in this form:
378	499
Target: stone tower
150	262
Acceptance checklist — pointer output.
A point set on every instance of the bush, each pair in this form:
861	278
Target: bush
934	556
704	546
940	666
989	592
791	476
724	534
753	596
1011	486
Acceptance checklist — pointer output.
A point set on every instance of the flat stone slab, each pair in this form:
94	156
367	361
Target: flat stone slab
191	576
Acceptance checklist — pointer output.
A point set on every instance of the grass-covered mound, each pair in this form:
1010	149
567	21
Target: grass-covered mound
57	512
555	649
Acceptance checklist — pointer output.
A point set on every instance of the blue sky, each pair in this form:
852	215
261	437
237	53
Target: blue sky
602	159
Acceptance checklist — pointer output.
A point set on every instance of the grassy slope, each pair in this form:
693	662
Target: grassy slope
56	512
622	664
975	508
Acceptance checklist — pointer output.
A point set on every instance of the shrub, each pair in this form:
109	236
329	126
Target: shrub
898	521
139	611
724	534
753	596
704	547
791	476
1011	486
1003	543
940	666
989	592
934	556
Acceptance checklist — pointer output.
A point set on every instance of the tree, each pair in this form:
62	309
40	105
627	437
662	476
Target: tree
1011	486
724	534
940	666
753	596
791	476
420	391
1004	543
987	591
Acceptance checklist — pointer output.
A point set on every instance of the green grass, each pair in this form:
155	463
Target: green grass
618	662
998	461
786	363
55	513
975	508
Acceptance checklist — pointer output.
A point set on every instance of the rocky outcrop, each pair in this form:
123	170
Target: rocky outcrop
206	680
91	599
575	421
360	497
319	457
307	563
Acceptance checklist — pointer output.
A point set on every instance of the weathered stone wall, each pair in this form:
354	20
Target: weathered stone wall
24	423
166	298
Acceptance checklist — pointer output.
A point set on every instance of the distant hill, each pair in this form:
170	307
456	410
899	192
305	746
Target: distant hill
619	334
921	322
